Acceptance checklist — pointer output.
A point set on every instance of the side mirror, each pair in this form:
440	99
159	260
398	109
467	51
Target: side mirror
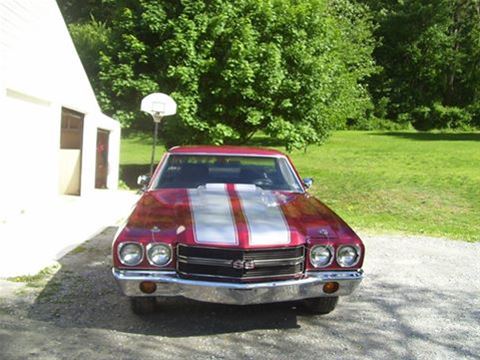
143	181
308	182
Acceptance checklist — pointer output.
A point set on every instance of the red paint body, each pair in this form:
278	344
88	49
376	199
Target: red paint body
169	211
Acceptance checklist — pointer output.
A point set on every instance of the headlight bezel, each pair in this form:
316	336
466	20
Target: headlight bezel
330	248
355	247
122	245
151	245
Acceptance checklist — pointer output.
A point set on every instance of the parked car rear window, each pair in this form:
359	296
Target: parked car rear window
191	171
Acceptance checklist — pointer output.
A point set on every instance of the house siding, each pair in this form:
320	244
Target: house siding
40	72
39	56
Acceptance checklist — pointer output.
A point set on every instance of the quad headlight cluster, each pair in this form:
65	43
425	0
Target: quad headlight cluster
323	255
159	254
348	256
132	254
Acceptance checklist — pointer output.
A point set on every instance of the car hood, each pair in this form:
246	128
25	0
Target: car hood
240	216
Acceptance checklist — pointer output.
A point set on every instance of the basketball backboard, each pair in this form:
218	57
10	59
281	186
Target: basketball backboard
158	105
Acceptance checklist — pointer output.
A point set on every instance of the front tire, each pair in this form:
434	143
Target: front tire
143	305
320	305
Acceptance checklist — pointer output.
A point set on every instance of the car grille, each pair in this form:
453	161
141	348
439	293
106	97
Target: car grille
240	265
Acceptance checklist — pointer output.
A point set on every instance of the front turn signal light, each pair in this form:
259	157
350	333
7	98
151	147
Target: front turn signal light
330	287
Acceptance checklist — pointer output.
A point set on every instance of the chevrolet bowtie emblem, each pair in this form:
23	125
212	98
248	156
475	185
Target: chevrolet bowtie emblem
243	264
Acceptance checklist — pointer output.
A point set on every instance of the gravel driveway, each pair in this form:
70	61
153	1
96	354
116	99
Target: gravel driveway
420	300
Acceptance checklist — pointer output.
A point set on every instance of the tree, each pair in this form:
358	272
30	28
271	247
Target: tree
90	38
75	11
429	53
293	69
290	69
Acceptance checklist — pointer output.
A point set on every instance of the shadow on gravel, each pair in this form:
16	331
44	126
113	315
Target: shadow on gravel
383	317
84	294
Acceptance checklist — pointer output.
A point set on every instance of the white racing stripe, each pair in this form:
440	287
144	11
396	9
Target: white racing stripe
213	221
265	219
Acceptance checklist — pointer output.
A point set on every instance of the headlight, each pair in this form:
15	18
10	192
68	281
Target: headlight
321	255
130	254
159	254
348	256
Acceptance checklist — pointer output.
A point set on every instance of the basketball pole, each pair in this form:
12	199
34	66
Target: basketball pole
157	105
155	136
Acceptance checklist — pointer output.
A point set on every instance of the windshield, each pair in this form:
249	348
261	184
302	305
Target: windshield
191	171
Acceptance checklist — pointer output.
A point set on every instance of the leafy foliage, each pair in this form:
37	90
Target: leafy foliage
439	116
429	53
90	38
294	70
75	11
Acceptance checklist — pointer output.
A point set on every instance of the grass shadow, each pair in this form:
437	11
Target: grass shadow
264	141
428	136
130	172
143	138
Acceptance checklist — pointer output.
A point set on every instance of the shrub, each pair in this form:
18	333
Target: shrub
421	118
451	117
439	116
375	123
474	111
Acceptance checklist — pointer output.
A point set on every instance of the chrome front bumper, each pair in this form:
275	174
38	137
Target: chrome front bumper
169	284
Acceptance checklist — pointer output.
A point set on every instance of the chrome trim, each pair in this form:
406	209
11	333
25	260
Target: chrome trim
308	182
297	274
241	249
229	263
164	160
122	244
225	154
170	284
279	262
156	174
204	261
332	255
298	258
359	254
150	245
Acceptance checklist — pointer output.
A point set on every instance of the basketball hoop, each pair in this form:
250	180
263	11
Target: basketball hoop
158	105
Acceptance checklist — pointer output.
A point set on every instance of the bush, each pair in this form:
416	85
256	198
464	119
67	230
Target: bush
421	118
451	117
375	123
439	116
474	111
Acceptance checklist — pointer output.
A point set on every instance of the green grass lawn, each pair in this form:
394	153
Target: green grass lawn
416	183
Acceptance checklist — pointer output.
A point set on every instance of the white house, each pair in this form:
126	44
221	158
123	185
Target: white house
54	138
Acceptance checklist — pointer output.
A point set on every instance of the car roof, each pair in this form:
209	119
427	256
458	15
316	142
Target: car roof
225	150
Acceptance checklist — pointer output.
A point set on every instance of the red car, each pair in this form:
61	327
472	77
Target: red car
234	225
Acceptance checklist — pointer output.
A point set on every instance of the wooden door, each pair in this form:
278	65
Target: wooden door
71	142
101	168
